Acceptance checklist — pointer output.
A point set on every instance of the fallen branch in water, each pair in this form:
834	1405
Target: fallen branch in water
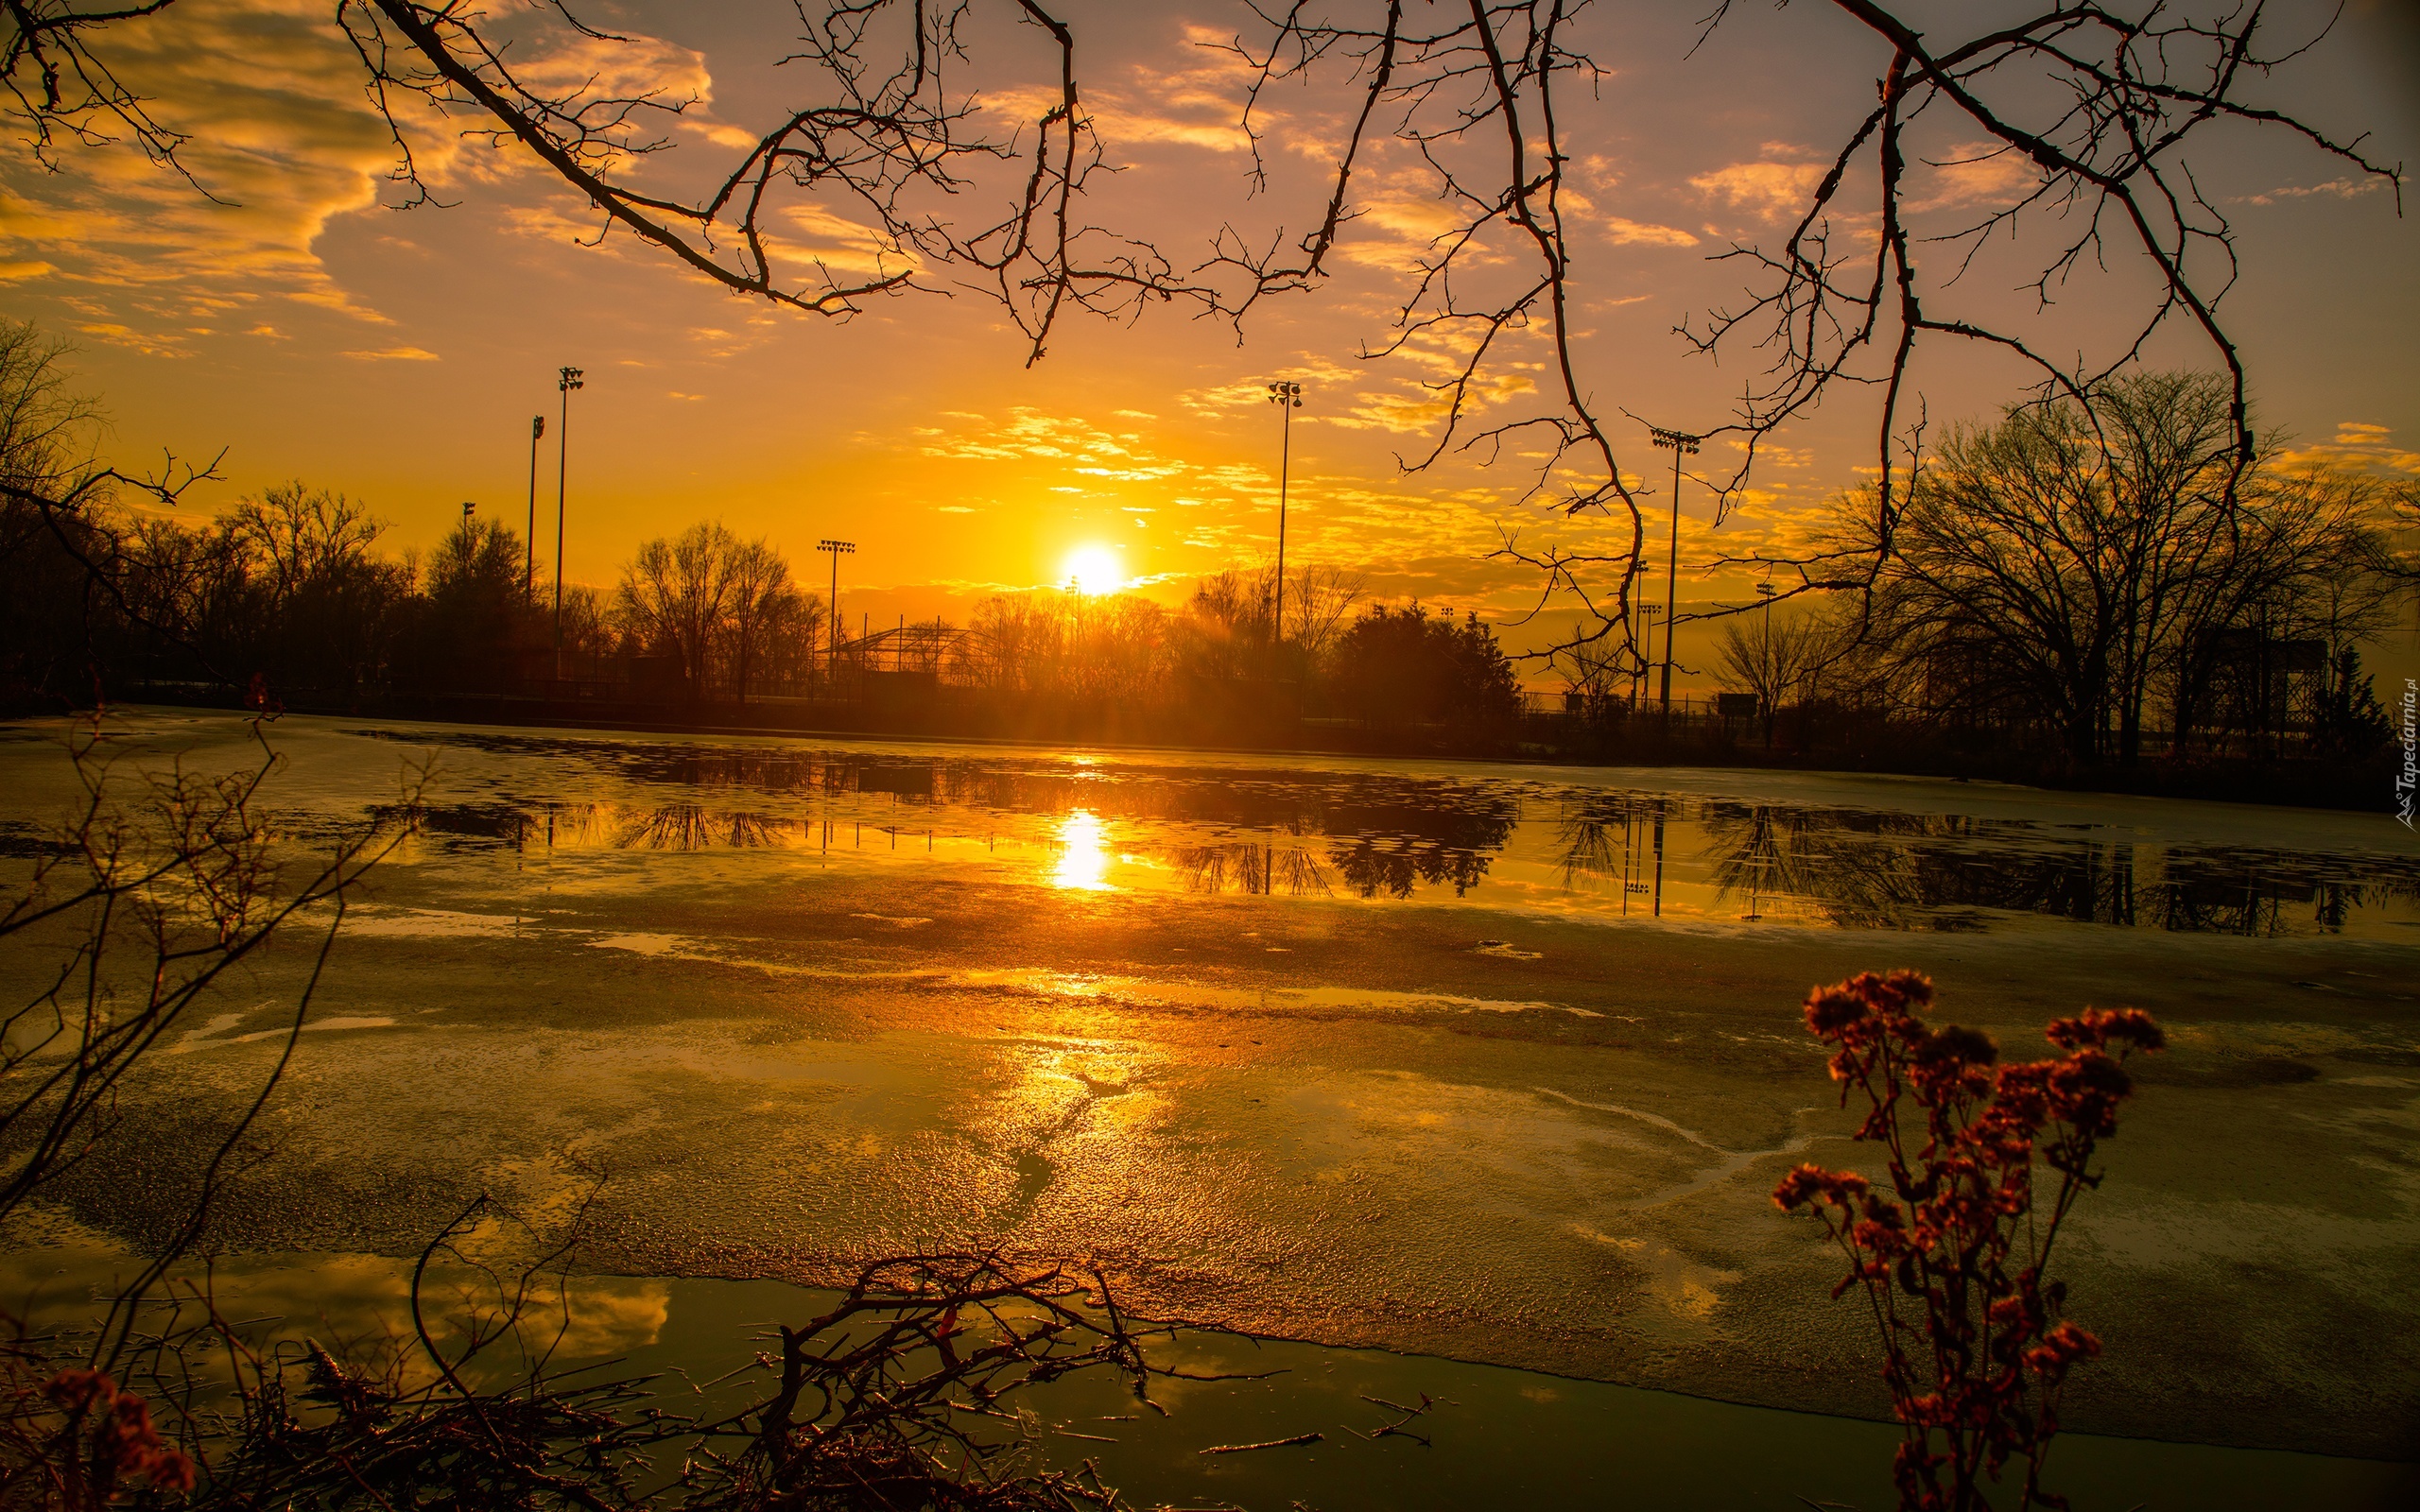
1398	1429
1274	1443
875	1405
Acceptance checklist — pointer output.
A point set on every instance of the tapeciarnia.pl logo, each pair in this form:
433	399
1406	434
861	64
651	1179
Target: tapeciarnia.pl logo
2408	779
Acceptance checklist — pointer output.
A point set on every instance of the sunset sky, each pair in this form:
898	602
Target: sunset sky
399	354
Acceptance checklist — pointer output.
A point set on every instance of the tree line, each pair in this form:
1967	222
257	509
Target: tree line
2083	575
294	592
1387	666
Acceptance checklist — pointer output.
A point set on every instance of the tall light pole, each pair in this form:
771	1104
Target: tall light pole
1289	398
565	382
1680	445
1646	613
529	576
1772	661
835	550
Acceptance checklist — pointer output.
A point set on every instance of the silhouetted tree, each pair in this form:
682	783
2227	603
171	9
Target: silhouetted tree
290	587
2349	720
756	605
48	616
2066	557
1018	641
1117	649
476	617
590	636
794	639
1402	667
674	597
1771	659
1318	599
1222	632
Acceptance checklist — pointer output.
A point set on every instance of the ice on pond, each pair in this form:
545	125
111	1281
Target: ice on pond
1735	847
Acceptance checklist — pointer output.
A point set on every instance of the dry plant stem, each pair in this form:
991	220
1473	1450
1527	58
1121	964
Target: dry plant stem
867	1406
1400	1427
1953	1264
182	876
188	878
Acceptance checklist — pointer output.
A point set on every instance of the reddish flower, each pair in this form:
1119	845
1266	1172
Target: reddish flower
2062	1347
1829	1010
76	1388
1936	1249
2132	1027
1808	1182
122	1441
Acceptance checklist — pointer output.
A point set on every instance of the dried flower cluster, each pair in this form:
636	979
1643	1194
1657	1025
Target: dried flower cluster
1953	1255
76	1439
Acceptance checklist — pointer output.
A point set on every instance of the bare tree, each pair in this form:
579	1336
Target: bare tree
2065	557
302	534
794	639
588	629
1316	603
47	427
1117	650
757	603
1592	672
1222	631
1772	660
675	593
47	433
1017	642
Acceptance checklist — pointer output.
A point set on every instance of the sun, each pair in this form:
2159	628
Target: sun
1094	570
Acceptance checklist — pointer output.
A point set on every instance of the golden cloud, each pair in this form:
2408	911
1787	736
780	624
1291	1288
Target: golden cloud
282	141
2361	445
1768	189
1975	172
1640	234
2332	189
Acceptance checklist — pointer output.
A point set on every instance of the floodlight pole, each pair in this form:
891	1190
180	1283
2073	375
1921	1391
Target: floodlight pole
835	550
530	574
1288	397
1772	661
1646	613
567	380
1682	444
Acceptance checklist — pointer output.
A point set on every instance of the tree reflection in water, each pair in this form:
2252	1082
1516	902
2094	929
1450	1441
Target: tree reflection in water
694	827
1588	833
1394	866
1312	832
1947	871
1879	879
1251	867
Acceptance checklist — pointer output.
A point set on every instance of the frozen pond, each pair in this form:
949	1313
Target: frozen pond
1775	848
1490	1062
1760	848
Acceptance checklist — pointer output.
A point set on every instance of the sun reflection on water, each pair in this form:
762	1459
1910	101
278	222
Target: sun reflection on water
1084	858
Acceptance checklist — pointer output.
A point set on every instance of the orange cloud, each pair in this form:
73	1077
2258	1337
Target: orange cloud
1768	189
